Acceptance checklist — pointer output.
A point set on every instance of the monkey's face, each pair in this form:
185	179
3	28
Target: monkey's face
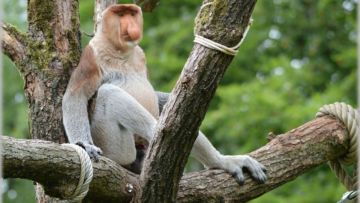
122	25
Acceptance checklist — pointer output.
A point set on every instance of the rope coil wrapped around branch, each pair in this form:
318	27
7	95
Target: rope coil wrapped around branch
86	174
350	117
232	51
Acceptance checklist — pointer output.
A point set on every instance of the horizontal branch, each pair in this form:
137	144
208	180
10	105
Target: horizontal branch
13	44
57	168
287	156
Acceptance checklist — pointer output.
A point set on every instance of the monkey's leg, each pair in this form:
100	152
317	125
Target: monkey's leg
206	153
117	117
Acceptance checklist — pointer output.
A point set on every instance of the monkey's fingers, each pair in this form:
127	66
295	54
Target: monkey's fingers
94	155
93	151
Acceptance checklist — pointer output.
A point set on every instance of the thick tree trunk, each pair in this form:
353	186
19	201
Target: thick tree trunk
53	40
45	56
54	46
286	157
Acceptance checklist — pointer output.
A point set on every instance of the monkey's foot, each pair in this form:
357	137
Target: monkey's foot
235	165
93	151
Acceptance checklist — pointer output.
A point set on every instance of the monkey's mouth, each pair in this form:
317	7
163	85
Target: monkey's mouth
126	37
131	43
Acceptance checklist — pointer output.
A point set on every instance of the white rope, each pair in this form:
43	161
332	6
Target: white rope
86	174
348	196
351	119
216	46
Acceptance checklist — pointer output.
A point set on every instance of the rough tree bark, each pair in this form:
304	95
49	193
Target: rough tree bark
286	157
223	22
45	56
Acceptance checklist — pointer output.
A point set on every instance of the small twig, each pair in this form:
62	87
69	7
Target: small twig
147	5
13	45
270	136
87	34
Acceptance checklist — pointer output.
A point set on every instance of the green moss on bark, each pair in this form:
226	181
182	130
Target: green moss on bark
40	13
224	21
43	25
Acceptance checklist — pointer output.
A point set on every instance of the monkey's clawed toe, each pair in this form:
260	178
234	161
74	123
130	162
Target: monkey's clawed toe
237	164
239	177
256	169
93	151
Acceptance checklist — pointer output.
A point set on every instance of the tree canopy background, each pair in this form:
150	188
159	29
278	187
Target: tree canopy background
297	56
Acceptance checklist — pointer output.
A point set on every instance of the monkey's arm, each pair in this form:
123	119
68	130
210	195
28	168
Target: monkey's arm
82	85
206	153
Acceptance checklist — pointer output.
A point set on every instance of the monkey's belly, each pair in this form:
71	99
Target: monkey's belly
141	89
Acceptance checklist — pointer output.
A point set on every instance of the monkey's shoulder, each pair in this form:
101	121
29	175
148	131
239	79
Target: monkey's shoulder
86	75
88	59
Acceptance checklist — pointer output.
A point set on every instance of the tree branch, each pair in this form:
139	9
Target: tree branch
100	6
225	23
13	45
57	168
147	5
286	157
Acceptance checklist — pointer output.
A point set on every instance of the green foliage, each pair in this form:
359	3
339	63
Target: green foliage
297	56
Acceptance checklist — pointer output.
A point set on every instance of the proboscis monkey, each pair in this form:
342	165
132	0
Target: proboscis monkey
112	70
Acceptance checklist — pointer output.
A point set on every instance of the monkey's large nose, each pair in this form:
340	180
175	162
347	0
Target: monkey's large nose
131	30
134	31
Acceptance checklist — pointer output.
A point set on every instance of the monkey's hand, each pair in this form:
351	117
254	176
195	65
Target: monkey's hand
93	151
235	165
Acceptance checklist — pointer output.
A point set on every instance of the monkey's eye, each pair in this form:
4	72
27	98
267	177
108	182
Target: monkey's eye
121	14
133	13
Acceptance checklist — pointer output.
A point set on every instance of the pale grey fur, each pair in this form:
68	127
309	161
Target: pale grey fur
76	122
117	117
205	153
79	124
